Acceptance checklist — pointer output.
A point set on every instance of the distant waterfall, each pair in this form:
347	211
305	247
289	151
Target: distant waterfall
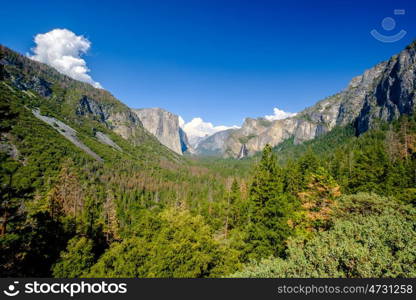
243	151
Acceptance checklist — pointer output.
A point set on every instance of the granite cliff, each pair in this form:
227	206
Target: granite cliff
165	127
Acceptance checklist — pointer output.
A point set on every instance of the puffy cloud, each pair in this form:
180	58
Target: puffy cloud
197	129
279	114
62	49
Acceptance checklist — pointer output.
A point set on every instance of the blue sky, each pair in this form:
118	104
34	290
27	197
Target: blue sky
218	60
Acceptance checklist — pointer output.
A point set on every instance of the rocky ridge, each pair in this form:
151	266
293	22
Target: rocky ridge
383	92
72	101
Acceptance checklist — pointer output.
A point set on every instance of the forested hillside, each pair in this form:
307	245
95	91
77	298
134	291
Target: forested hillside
342	205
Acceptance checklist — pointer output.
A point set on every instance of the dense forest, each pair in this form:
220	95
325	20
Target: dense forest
341	205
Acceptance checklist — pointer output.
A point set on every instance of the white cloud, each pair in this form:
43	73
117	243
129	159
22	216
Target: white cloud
197	129
62	49
279	114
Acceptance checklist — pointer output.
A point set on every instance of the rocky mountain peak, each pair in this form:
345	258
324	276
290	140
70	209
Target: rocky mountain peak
164	125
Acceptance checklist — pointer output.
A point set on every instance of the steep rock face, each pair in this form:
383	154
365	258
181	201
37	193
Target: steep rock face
122	122
39	85
165	127
394	91
383	92
88	106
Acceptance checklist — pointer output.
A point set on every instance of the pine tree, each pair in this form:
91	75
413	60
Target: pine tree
293	179
269	210
233	209
307	164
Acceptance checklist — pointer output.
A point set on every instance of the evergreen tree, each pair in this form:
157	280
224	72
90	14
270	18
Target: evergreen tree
233	207
235	204
293	178
270	207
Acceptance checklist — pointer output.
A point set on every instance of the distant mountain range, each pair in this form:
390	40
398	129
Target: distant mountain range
383	92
